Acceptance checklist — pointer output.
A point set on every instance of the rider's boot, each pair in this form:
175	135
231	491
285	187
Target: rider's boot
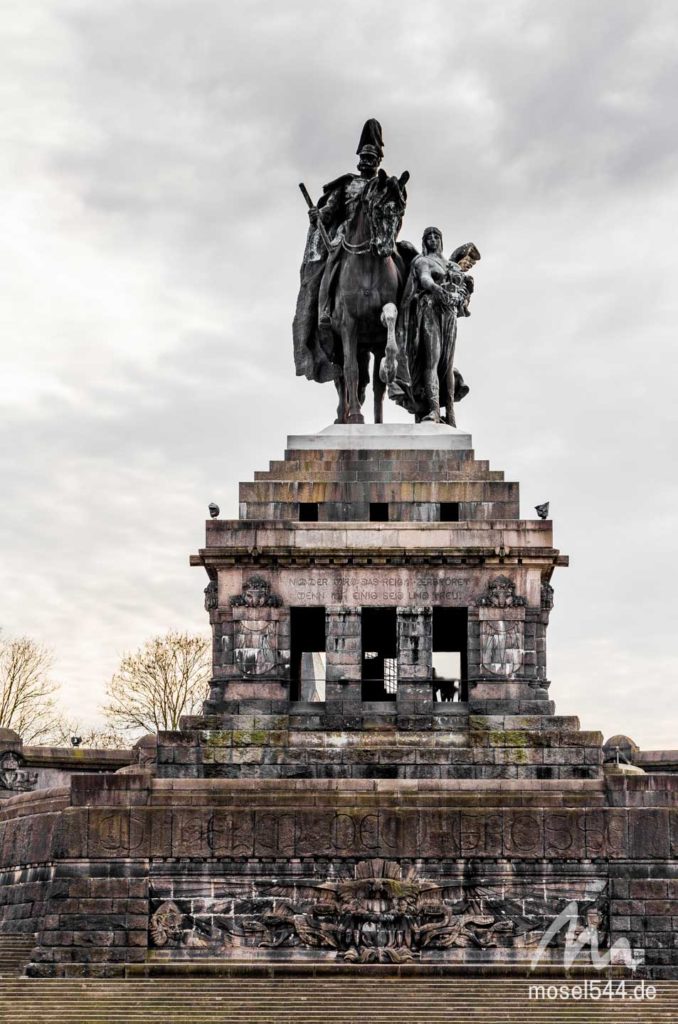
325	322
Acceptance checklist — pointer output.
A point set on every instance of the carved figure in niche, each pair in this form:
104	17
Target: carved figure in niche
437	292
256	593
501	593
13	776
546	596
211	596
501	646
255	640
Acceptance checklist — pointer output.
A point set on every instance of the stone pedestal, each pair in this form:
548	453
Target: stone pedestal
402	816
393	537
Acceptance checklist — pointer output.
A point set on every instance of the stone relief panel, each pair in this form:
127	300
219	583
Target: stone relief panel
14	778
256	593
546	596
501	593
376	911
254	644
211	593
502	645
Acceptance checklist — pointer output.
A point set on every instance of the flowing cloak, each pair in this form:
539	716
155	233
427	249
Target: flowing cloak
310	359
419	316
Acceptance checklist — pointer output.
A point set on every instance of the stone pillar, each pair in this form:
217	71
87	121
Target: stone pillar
414	695
342	674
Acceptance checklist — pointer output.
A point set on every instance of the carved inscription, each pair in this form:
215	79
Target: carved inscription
564	834
359	587
520	832
481	834
523	834
606	833
108	833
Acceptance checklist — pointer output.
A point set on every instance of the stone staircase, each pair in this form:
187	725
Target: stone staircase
360	1000
15	952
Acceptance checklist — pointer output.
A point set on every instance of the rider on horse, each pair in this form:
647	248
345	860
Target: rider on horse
313	338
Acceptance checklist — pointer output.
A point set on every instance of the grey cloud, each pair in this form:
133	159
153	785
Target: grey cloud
177	134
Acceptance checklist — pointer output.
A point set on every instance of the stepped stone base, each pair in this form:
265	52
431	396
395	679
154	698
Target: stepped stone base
378	741
345	802
125	869
255	1000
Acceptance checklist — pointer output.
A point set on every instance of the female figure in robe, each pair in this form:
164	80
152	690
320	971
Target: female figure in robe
436	293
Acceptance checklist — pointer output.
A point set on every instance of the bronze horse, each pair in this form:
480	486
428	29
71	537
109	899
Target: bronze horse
368	288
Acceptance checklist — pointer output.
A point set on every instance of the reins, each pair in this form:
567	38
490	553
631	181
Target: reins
361	249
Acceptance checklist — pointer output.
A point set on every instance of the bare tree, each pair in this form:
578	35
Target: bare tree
26	703
154	687
94	737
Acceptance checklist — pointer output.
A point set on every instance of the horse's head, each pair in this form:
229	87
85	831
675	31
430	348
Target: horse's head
386	206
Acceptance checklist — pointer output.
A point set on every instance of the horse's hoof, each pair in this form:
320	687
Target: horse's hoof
357	417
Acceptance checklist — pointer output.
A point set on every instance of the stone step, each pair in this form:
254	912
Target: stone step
378	470
349	1000
15	952
414	453
454	462
406	491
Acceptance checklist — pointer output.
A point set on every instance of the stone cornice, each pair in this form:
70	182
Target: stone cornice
535	557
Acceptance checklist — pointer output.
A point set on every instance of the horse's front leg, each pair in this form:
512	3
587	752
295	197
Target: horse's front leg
363	373
341	391
389	316
378	388
349	340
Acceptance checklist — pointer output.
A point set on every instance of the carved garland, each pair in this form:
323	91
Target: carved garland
384	914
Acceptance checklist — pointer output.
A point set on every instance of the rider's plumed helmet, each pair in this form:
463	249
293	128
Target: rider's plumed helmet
371	140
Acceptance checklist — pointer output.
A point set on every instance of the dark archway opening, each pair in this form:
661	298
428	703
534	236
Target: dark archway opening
379	654
307	654
450	654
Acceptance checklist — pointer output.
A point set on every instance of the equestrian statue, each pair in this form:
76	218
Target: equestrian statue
368	301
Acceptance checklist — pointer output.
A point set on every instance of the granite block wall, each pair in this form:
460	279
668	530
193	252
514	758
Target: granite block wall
93	872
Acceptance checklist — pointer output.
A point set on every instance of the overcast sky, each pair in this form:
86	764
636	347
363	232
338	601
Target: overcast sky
152	235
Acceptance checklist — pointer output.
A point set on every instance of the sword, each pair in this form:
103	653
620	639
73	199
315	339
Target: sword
321	227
